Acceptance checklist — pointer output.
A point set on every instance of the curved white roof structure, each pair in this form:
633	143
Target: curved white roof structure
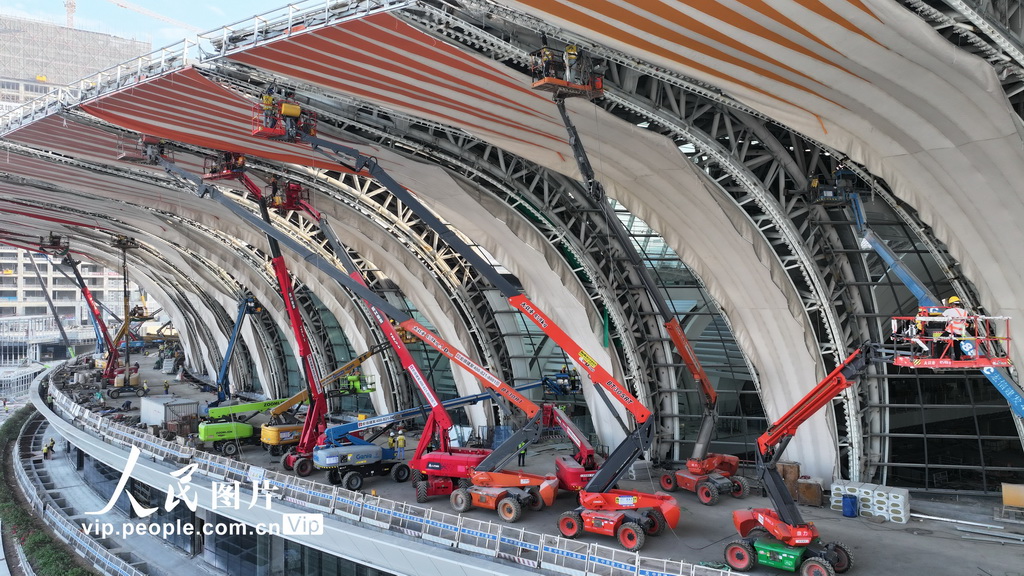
418	86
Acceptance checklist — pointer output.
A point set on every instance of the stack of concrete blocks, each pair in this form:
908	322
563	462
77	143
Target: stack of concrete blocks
873	500
641	470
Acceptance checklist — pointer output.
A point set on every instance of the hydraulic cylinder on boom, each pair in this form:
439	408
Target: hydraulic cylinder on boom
779	536
706	474
625	514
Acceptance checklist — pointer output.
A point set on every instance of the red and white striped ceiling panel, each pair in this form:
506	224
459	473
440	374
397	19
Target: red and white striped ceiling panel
183	106
65	135
89	182
384	60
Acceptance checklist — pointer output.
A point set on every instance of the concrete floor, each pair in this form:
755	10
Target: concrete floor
919	547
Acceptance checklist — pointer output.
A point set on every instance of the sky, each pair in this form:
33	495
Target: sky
145	23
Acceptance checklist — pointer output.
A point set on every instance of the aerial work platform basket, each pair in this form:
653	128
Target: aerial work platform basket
985	344
566	74
277	118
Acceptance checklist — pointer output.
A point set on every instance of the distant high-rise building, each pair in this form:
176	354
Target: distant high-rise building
36	57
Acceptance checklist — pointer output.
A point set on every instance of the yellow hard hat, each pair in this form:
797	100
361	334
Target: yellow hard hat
953	300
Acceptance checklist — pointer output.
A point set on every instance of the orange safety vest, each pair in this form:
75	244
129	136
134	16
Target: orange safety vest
956	322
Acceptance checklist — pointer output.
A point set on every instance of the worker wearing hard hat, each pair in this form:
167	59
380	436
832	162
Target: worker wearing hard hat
570	58
956	324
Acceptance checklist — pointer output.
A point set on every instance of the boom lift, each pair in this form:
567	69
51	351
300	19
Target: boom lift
439	469
779	536
246	305
626	514
981	348
291	196
284	429
505	491
706	474
113	368
300	457
227	431
53	246
349	457
443	471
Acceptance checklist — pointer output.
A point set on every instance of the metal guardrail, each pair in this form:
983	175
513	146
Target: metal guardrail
26	568
493	539
301	16
46	509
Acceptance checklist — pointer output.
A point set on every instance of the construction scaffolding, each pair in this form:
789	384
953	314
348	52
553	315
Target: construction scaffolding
37	56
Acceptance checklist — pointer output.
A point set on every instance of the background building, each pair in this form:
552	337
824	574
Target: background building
35	58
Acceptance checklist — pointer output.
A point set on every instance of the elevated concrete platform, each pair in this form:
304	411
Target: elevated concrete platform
921	547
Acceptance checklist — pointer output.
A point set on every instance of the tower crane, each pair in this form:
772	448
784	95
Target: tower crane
139	9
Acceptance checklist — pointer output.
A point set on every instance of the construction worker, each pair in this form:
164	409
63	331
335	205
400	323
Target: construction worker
547	58
522	453
46	451
353	381
570	58
400	445
145	386
391	440
167	387
267	103
51	445
956	324
916	329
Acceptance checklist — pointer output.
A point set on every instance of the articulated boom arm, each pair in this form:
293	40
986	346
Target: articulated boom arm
112	355
999	377
246	306
354	363
773	441
315	422
554	416
597	373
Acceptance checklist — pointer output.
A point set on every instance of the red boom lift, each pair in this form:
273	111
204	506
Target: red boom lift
113	367
706	474
232	167
779	536
628	515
